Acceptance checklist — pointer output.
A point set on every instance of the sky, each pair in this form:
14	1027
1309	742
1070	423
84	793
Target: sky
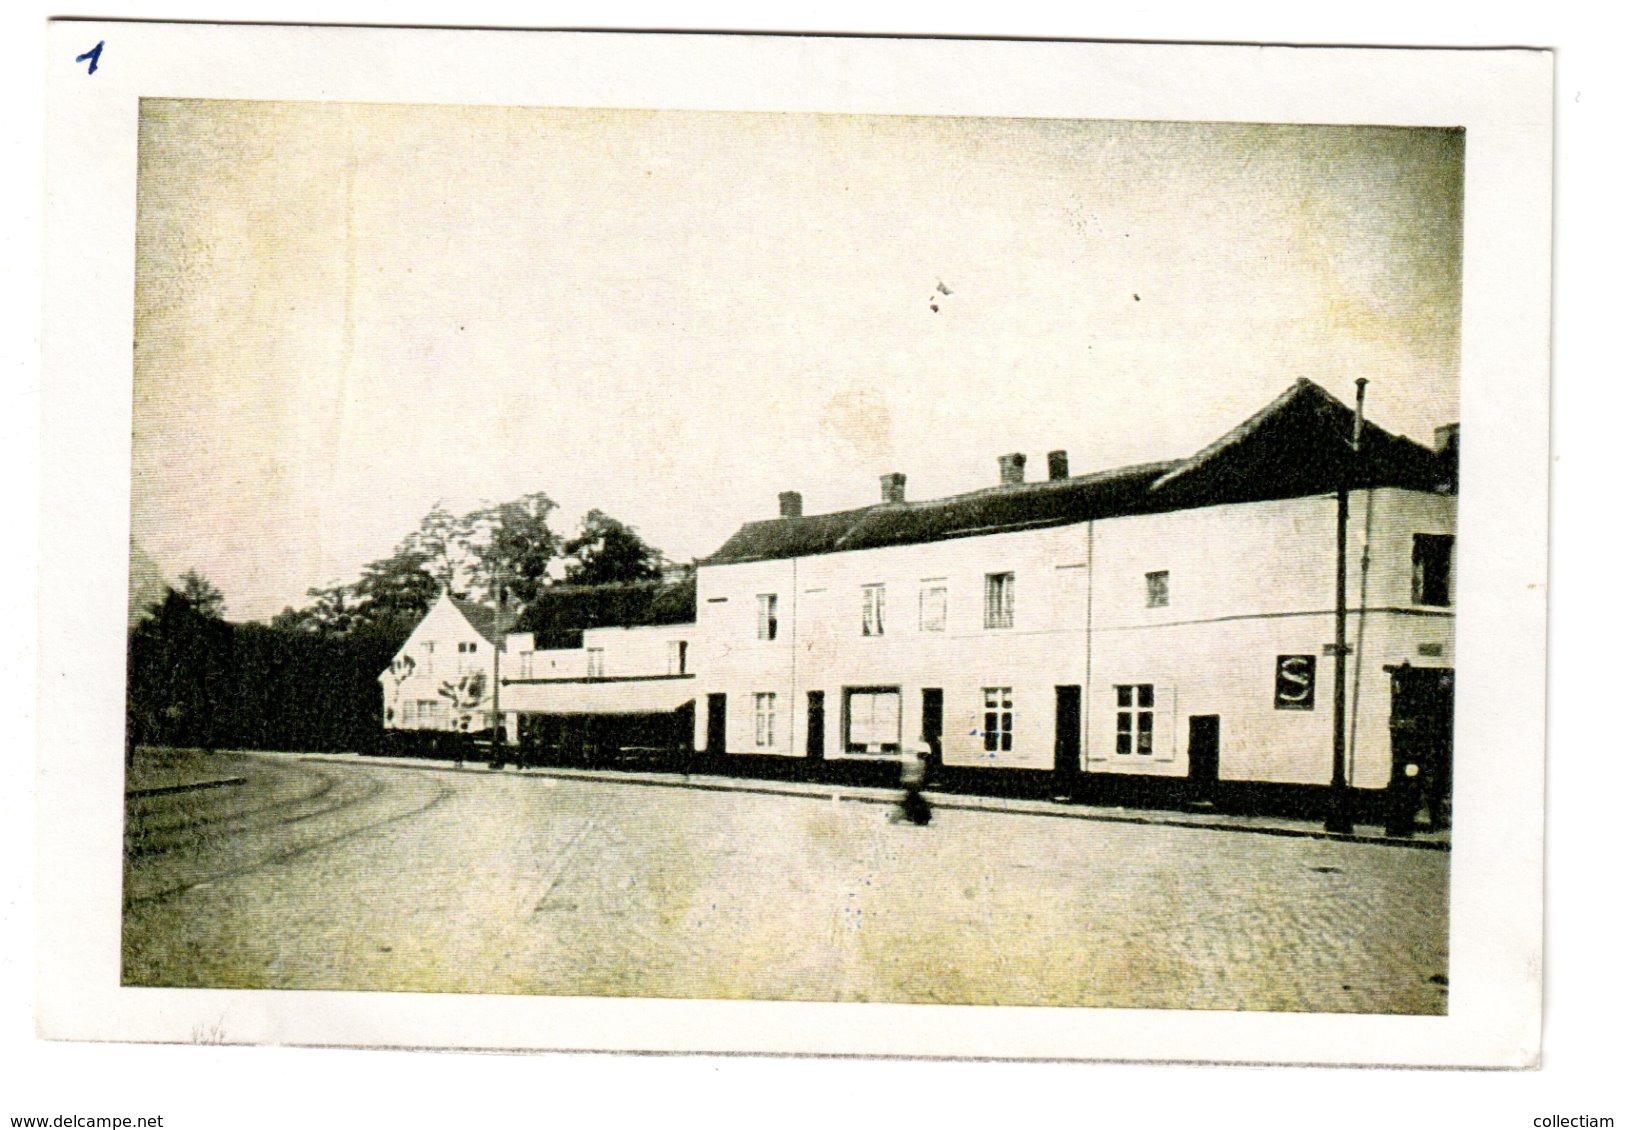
345	313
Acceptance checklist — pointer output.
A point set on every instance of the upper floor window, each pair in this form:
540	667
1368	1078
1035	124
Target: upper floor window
767	616
677	657
1135	717
1430	569
874	610
595	663
466	648
999	609
933	607
766	718
1156	589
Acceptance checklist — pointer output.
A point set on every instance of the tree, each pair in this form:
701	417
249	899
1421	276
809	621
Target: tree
400	586
442	539
201	595
608	551
331	612
511	546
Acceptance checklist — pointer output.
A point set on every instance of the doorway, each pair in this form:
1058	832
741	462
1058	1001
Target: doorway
1068	738
1203	751
931	727
815	725
1421	727
716	724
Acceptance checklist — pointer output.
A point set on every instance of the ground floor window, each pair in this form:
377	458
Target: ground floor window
998	719
1135	710
874	720
428	709
766	712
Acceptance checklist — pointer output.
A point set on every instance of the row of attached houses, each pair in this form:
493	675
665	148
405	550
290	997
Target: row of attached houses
1165	620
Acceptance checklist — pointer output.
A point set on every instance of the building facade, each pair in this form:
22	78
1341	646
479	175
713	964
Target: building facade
444	675
1169	620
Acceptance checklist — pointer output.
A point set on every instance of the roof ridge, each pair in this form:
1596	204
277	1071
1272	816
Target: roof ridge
1303	386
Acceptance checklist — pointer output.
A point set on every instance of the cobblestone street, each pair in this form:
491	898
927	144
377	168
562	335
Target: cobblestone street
319	874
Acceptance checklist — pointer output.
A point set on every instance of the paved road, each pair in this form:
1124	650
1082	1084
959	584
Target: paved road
323	875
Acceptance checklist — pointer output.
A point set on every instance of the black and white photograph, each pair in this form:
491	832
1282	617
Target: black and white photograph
1026	566
660	475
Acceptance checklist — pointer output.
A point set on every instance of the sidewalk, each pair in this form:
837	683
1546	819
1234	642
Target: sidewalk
1216	821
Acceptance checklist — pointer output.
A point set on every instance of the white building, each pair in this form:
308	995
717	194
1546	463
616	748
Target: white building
443	675
1164	620
1171	620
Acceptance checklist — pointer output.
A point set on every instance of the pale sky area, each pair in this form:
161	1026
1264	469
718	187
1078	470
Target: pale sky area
347	312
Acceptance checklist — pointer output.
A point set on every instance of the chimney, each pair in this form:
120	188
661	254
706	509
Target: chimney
1447	442
1057	465
891	486
1012	469
790	504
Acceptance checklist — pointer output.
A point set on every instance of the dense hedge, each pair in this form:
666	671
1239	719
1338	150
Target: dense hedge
198	681
562	612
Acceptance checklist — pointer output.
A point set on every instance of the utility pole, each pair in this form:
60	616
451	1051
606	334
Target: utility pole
1337	814
499	753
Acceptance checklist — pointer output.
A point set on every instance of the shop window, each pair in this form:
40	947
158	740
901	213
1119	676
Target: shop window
874	720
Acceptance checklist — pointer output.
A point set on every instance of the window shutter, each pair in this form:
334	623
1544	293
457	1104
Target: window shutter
1166	747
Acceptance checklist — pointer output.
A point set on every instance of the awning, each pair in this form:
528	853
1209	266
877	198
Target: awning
656	695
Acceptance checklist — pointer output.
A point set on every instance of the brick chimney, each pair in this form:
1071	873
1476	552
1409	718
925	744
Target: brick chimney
1057	465
790	504
891	486
1012	469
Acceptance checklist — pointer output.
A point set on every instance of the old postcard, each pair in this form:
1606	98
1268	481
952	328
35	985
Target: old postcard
737	543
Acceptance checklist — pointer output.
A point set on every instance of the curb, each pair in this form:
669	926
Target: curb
189	787
872	795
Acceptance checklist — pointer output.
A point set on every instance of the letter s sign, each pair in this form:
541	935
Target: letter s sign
1294	682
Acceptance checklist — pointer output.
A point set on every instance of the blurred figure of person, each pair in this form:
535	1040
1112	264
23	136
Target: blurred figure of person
913	807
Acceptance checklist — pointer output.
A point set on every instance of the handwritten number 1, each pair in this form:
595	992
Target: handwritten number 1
93	55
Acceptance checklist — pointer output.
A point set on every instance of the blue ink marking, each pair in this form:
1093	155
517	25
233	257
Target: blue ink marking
93	55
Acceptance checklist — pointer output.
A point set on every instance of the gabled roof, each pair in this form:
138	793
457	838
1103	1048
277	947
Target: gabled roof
1297	445
483	620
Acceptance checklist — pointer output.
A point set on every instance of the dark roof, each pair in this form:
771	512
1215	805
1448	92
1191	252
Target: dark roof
485	620
1297	445
560	613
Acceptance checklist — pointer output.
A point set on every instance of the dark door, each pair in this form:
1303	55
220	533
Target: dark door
815	725
1421	727
1068	738
931	725
1203	748
716	724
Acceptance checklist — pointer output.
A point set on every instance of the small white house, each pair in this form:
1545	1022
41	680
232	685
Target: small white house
442	677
